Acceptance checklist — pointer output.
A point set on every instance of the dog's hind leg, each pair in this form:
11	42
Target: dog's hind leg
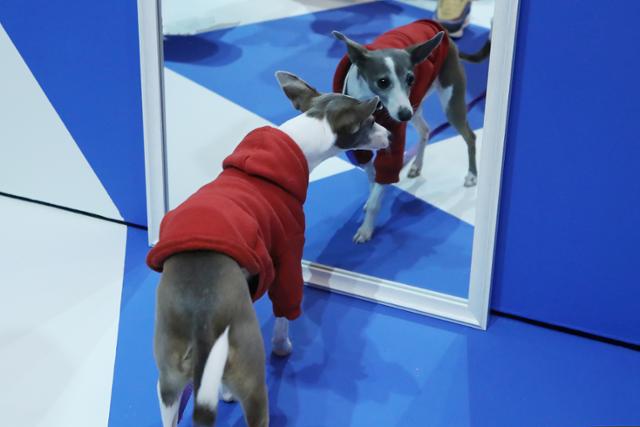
422	128
253	396
245	373
172	351
457	116
451	85
169	394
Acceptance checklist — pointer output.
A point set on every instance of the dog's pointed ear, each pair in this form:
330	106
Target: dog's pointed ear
297	90
368	107
357	53
420	52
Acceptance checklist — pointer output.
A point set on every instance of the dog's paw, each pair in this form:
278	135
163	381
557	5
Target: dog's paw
363	234
470	180
282	348
414	171
226	395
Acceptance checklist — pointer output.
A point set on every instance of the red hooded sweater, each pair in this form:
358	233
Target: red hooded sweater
388	163
252	212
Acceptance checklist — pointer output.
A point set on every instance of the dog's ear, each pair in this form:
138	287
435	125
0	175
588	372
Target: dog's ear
357	53
297	90
420	52
368	107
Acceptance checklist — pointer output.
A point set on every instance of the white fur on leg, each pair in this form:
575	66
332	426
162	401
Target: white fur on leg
280	342
470	180
370	170
365	232
169	413
422	127
207	394
225	394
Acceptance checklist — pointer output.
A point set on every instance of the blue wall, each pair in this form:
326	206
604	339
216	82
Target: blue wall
85	57
569	232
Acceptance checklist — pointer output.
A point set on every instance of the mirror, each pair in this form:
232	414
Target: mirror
431	244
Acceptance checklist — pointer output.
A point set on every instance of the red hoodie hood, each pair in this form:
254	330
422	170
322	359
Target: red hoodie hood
271	154
251	212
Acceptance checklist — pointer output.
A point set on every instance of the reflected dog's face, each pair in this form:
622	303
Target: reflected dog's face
350	120
389	73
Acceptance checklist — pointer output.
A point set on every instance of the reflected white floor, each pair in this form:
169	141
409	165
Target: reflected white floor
189	16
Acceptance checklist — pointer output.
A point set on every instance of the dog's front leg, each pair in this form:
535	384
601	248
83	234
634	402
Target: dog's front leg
371	209
422	128
280	342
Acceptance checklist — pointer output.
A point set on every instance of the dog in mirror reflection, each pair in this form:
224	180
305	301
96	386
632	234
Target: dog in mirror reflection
401	66
234	240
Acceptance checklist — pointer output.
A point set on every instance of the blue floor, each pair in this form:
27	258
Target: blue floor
239	64
415	243
360	364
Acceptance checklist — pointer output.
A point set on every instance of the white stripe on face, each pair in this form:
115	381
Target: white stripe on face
397	97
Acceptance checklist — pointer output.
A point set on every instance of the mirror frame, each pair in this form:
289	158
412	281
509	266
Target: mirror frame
472	311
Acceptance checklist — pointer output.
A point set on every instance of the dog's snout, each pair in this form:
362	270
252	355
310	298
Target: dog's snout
405	114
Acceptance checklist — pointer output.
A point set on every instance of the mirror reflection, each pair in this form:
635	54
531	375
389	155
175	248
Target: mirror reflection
404	214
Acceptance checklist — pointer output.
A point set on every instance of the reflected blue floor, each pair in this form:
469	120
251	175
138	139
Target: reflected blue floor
415	243
360	364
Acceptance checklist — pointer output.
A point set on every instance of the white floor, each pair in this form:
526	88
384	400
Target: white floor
193	16
61	275
440	184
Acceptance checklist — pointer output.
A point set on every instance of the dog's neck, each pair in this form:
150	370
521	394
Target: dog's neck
314	137
355	85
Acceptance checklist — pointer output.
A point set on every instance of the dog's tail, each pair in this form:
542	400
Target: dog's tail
478	56
212	324
209	363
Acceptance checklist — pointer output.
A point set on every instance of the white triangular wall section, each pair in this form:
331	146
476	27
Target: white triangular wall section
39	158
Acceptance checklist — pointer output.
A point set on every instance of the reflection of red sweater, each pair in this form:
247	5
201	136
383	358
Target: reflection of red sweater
252	212
388	163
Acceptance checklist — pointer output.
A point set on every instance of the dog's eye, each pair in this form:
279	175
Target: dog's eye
410	79
383	83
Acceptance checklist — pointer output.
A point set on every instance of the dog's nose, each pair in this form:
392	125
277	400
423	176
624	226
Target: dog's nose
405	114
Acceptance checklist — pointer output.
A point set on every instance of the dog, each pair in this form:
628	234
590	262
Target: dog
401	66
237	238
